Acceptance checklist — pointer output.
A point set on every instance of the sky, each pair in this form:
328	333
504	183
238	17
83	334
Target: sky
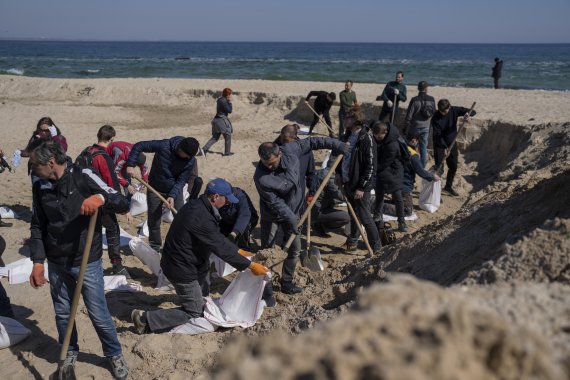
424	21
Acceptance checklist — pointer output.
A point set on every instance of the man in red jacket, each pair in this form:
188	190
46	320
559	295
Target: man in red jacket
102	162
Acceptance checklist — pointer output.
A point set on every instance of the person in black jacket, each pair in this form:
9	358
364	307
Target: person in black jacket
444	127
394	89
324	215
63	199
497	71
357	171
323	103
193	236
420	111
172	166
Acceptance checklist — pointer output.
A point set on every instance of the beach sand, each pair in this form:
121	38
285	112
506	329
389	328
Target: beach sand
497	304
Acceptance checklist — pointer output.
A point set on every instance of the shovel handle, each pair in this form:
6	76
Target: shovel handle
355	220
78	286
438	168
321	119
393	109
155	193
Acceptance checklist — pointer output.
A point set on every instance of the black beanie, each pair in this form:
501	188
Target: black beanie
189	146
332	95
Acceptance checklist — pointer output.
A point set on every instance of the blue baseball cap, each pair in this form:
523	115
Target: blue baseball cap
221	187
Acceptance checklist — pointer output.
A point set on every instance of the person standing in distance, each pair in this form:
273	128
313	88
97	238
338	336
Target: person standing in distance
393	88
221	124
497	72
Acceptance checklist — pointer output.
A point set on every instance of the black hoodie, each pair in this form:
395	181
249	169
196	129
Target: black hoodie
390	170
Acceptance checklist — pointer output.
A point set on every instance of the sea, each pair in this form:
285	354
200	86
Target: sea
526	66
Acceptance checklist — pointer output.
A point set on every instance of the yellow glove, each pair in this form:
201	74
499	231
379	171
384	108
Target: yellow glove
258	269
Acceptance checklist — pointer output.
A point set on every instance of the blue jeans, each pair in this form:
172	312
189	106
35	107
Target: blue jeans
423	135
62	282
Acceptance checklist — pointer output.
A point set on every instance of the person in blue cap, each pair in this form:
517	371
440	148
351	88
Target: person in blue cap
192	237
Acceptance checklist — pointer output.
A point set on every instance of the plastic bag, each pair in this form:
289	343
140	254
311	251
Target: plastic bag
430	196
12	332
124	238
241	303
150	258
222	268
167	215
138	203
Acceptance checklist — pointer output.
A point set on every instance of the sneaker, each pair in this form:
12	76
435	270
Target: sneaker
402	226
348	247
449	190
318	230
290	288
228	154
137	316
120	367
67	369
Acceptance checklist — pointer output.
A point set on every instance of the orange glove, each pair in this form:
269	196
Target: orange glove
258	269
91	204
245	253
309	199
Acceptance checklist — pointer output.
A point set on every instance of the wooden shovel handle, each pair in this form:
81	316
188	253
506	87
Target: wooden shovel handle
155	193
321	119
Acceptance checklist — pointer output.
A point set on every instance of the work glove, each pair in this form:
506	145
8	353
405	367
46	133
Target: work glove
258	269
309	199
245	253
91	204
389	104
396	91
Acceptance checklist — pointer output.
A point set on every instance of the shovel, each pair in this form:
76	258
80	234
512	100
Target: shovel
68	373
313	259
156	193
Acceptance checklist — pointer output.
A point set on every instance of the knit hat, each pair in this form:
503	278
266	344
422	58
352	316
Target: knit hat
189	146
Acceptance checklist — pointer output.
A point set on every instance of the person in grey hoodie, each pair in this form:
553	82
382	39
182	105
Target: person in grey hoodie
420	111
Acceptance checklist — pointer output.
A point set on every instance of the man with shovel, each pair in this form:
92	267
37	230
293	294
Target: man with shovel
323	103
62	199
393	90
281	187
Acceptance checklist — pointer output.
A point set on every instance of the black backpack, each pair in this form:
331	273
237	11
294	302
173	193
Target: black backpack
85	158
426	109
405	155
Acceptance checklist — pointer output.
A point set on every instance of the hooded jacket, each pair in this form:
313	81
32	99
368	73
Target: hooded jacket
444	127
58	231
411	168
362	164
390	170
168	173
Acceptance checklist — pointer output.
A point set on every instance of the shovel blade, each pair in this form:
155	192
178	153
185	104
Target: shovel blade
315	262
64	373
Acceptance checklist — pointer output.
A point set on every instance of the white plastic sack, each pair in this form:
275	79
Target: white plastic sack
222	268
430	196
167	215
390	218
119	283
124	240
241	303
7	213
195	326
12	332
150	258
19	271
138	203
143	229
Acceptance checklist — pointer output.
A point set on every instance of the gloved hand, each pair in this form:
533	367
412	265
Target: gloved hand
52	130
232	237
245	253
389	104
91	204
309	199
258	269
37	278
396	91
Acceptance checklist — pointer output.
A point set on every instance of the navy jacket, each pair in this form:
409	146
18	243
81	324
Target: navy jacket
444	127
307	162
390	170
168	173
58	231
193	235
281	192
411	168
236	217
388	94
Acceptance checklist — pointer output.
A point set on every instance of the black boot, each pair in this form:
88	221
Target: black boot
402	226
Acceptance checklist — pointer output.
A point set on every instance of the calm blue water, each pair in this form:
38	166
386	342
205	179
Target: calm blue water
544	66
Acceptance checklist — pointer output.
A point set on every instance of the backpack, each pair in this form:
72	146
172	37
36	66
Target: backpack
405	155
426	110
85	158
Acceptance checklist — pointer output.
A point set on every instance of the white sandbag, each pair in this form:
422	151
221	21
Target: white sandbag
150	258
143	229
7	213
241	303
138	203
119	283
124	239
195	326
390	218
167	215
430	196
326	159
12	332
303	131
19	271
222	268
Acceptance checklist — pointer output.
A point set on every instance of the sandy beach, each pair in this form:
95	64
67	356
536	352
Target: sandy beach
480	289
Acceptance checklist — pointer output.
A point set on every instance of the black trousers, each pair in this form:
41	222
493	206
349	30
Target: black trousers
496	82
362	210
326	115
451	162
396	198
155	217
111	224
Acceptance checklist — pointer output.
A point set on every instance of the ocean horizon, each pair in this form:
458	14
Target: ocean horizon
526	66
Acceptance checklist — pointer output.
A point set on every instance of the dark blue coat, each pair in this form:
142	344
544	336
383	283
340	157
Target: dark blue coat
411	168
237	216
168	173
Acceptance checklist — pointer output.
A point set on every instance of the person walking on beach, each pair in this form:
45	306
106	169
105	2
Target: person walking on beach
420	111
171	167
347	101
392	89
63	199
323	103
221	124
444	126
497	71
